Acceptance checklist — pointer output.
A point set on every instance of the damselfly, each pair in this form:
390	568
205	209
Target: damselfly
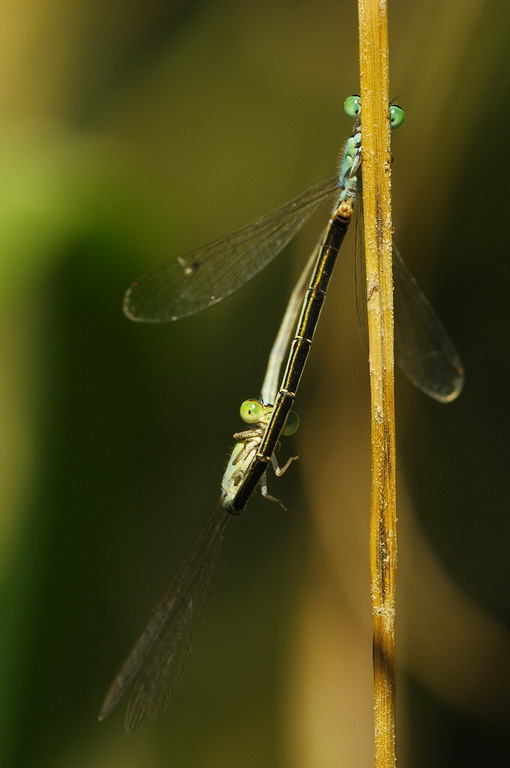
154	667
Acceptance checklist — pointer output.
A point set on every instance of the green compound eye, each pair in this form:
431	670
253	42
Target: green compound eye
352	106
291	425
251	411
397	116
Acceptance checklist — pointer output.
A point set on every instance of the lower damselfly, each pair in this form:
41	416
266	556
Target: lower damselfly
154	667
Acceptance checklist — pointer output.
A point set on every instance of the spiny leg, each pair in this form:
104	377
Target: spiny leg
279	471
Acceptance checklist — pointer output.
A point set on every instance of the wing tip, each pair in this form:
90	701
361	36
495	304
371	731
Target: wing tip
127	303
451	393
133	313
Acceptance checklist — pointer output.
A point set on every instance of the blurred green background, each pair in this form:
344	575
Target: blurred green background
131	132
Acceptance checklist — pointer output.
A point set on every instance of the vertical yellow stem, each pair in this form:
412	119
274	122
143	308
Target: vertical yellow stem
374	57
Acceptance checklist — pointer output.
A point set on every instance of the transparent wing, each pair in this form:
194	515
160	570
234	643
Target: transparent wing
423	349
156	663
286	331
202	277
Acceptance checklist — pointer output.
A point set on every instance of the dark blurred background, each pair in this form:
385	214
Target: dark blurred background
133	132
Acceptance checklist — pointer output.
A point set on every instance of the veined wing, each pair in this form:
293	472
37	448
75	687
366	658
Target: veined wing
423	350
156	663
190	283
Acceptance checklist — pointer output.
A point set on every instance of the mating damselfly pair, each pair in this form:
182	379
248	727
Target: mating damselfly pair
192	282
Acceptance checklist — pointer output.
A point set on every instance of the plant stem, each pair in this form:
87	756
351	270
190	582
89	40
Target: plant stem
374	79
